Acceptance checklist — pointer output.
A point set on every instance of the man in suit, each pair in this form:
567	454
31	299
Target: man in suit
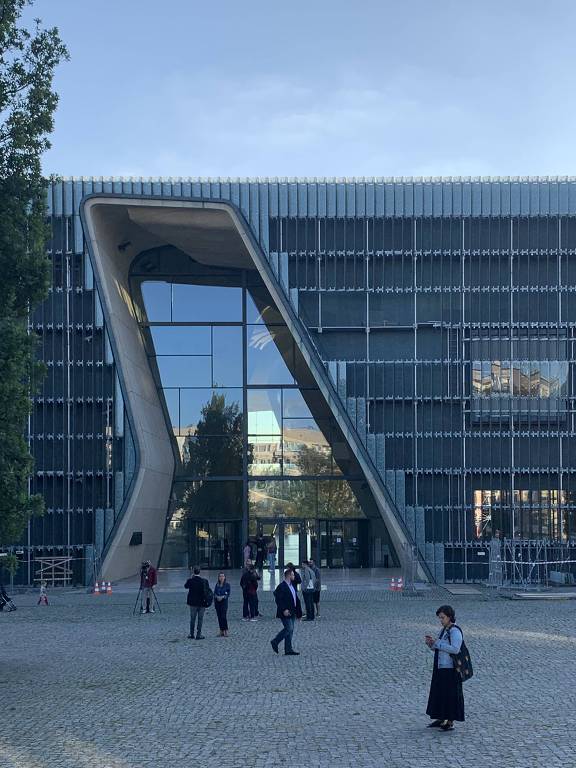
288	609
197	589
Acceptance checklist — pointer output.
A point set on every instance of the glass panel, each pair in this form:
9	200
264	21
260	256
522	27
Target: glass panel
266	364
227	356
209	499
336	499
294	405
264	411
260	309
265	455
157	301
292	543
216	545
171	397
181	340
306	450
200	303
212	455
185	371
289	498
198	409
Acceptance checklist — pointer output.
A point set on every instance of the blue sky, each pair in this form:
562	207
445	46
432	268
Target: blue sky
316	88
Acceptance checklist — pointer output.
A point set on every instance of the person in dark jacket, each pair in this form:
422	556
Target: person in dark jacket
288	609
221	595
297	580
197	589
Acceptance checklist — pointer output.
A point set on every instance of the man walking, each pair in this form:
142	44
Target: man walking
199	598
317	586
288	609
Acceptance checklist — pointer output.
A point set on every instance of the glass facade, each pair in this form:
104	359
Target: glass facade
252	435
443	311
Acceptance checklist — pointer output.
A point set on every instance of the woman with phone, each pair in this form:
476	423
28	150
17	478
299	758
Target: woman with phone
446	700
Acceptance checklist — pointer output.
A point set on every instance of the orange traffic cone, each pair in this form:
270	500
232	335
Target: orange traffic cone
400	584
96	588
109	589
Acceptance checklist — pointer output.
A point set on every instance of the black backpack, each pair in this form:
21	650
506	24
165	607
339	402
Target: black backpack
462	661
208	595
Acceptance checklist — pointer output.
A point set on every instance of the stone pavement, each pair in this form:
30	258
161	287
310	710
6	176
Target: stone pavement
85	685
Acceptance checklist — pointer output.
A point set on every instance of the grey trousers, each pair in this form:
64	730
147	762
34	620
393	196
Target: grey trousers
196	613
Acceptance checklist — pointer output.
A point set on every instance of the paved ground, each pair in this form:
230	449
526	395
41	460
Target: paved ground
85	685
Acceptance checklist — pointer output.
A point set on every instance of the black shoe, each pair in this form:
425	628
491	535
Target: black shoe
190	637
435	724
447	727
200	637
274	646
292	653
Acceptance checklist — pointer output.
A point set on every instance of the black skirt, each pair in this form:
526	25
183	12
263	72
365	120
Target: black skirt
446	700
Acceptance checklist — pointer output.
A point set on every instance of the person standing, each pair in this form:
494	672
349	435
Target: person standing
260	552
317	586
271	551
307	575
148	580
247	554
244	581
252	592
221	595
198	589
288	609
446	700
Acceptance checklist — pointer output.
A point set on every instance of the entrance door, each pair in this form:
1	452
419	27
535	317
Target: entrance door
293	541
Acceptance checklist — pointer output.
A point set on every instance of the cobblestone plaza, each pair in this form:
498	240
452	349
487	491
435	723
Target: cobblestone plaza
86	684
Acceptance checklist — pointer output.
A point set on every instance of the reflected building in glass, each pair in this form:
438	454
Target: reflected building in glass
368	371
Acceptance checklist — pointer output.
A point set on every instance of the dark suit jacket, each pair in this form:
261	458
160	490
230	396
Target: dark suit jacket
285	601
196	587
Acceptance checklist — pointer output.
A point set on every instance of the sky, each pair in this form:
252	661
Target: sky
314	88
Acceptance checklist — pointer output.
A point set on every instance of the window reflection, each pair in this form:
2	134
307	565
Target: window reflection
194	401
260	309
204	303
294	404
264	411
264	455
306	450
157	299
270	355
520	378
181	340
185	370
227	356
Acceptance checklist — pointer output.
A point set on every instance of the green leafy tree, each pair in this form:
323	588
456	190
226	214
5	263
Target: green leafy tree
28	58
215	449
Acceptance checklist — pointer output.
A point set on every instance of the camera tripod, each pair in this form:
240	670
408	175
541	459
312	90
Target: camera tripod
153	595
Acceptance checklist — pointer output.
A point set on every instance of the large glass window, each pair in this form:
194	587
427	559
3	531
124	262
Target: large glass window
206	303
270	355
212	356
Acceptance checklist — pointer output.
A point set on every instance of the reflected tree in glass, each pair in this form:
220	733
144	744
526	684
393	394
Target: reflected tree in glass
213	448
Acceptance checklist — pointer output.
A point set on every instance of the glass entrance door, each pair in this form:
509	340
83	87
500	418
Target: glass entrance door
292	539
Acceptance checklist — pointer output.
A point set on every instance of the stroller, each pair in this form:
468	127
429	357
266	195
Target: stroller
5	601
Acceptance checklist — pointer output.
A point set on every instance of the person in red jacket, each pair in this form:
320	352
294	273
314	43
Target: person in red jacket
148	580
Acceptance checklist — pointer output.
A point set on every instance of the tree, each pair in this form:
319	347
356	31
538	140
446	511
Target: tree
28	58
215	448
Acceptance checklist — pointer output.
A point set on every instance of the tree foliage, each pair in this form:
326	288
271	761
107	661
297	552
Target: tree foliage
28	58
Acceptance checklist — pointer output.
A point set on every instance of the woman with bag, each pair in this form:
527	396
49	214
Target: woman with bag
446	700
221	595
